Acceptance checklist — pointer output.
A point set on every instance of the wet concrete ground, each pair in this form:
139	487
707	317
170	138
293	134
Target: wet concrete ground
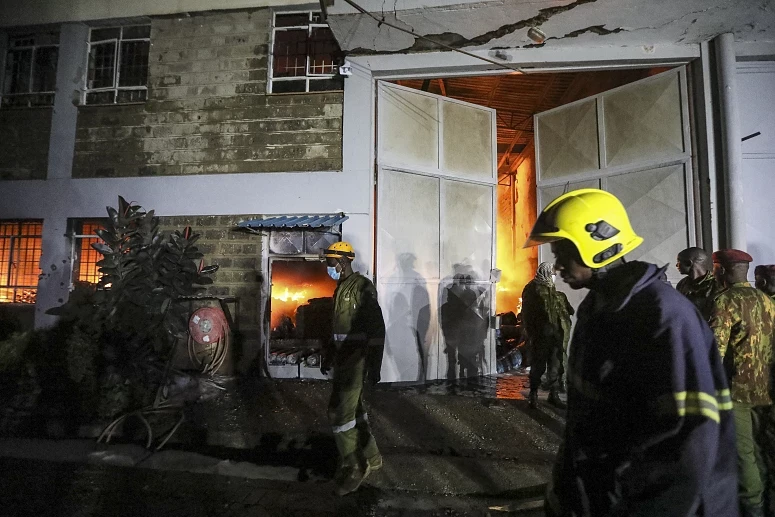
456	447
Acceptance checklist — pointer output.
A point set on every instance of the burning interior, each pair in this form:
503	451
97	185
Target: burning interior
301	307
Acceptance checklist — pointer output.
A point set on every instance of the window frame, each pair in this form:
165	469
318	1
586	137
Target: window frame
76	238
5	279
116	88
310	26
31	93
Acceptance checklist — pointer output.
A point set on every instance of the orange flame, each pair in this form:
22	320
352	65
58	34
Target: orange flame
287	295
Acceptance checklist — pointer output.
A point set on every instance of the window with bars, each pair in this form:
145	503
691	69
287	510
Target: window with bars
305	54
84	257
118	64
20	248
30	72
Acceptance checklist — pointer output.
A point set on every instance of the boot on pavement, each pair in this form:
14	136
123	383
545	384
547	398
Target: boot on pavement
352	480
555	400
533	399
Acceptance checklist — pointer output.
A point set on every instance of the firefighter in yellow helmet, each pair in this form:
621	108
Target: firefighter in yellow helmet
355	353
649	429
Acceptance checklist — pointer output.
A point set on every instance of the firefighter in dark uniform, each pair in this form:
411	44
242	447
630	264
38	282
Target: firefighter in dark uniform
546	316
355	354
649	428
743	319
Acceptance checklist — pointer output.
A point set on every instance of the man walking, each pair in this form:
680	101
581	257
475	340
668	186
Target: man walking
743	319
649	429
546	316
699	285
356	357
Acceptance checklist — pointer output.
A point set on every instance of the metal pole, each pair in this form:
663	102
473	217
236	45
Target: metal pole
732	160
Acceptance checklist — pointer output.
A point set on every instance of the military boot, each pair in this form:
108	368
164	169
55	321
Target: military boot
533	399
749	510
351	481
555	400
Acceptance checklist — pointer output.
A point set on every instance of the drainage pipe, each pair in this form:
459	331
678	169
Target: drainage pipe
732	160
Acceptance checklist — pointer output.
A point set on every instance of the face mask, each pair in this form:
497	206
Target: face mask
333	273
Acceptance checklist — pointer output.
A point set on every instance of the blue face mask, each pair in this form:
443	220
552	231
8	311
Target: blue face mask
333	273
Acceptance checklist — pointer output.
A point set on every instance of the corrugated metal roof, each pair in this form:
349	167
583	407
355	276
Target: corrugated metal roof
301	222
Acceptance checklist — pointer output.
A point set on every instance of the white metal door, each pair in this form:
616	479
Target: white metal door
435	233
633	141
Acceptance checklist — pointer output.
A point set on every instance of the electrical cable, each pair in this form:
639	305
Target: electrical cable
425	38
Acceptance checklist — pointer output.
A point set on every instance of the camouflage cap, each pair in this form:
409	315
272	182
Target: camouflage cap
731	256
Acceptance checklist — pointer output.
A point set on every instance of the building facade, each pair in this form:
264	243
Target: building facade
215	115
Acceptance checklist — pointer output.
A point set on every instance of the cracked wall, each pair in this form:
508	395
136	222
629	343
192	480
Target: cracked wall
208	111
569	23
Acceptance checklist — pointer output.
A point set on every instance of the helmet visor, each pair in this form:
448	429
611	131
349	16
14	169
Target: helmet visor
543	231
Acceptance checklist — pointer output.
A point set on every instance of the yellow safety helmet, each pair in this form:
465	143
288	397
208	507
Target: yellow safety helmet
595	221
340	249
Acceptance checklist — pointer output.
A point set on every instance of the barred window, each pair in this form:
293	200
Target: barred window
84	257
31	70
305	54
20	248
118	64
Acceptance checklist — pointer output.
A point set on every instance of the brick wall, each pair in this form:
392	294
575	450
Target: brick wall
207	110
239	256
24	134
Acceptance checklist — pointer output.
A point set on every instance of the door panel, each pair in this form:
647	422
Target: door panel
643	121
568	142
434	221
408	128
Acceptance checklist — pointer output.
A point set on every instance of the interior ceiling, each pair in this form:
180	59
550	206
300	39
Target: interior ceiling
517	97
504	24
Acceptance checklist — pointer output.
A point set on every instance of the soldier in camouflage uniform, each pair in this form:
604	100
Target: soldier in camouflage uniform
743	319
546	315
765	282
699	285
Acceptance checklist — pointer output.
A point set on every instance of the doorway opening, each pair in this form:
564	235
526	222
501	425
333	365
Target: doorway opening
517	98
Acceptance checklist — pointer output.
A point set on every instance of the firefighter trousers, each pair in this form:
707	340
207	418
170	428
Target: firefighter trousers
347	414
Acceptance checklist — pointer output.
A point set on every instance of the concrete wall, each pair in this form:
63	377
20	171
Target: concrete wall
207	110
24	133
756	85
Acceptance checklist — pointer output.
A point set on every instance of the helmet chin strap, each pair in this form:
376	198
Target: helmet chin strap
600	273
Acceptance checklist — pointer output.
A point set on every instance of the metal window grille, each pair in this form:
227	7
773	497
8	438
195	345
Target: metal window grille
30	71
20	249
118	65
83	257
305	55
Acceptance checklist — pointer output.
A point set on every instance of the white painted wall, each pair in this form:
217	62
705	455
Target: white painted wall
756	84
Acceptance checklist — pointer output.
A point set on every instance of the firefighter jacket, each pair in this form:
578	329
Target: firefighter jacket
743	319
546	314
700	291
357	322
649	428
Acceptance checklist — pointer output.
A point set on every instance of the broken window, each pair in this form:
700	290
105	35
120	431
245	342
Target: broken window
83	256
305	54
20	248
118	64
31	70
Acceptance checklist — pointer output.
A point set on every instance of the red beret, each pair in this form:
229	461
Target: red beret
731	256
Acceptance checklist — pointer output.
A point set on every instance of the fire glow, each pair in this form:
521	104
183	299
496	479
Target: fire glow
294	283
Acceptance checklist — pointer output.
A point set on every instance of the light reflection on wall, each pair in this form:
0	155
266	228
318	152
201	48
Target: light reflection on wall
516	215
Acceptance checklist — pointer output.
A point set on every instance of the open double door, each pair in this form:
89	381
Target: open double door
435	240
